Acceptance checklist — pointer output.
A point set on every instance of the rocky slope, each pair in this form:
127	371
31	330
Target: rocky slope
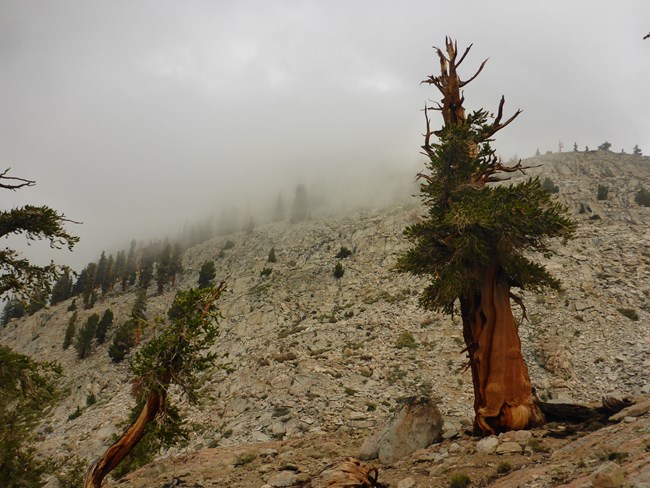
308	364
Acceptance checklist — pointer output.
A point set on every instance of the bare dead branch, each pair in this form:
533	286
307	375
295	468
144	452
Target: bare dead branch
464	54
22	182
463	83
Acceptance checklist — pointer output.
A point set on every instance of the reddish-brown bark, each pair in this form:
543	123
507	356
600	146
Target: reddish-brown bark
99	469
503	398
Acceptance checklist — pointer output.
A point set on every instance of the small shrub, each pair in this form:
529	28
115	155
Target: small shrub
608	455
629	313
244	458
460	480
272	258
338	271
549	186
642	197
71	471
350	391
603	192
536	446
407	340
266	272
594	217
504	468
76	414
228	245
582	209
343	253
91	400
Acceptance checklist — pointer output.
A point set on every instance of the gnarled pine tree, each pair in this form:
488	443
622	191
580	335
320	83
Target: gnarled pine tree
174	356
475	244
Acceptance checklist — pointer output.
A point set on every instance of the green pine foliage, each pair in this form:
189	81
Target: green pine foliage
207	274
88	293
28	388
642	197
130	273
338	271
17	274
605	146
603	192
125	337
469	227
164	268
85	336
176	266
101	275
123	342
14	309
62	289
549	186
272	257
70	331
146	272
343	253
105	323
177	354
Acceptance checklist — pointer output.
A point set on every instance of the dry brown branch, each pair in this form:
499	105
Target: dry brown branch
463	83
22	182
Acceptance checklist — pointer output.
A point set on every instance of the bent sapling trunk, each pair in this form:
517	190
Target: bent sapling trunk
101	467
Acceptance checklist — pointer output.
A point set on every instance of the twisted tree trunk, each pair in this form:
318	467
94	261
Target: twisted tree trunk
503	398
100	468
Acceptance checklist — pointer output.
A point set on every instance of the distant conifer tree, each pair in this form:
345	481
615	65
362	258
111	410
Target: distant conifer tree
88	292
128	334
14	309
146	272
109	277
70	331
279	212
101	272
272	258
62	289
130	270
300	206
104	325
85	336
164	268
605	146
207	274
476	242
177	263
120	266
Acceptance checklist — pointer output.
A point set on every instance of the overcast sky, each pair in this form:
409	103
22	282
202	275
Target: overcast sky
134	116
